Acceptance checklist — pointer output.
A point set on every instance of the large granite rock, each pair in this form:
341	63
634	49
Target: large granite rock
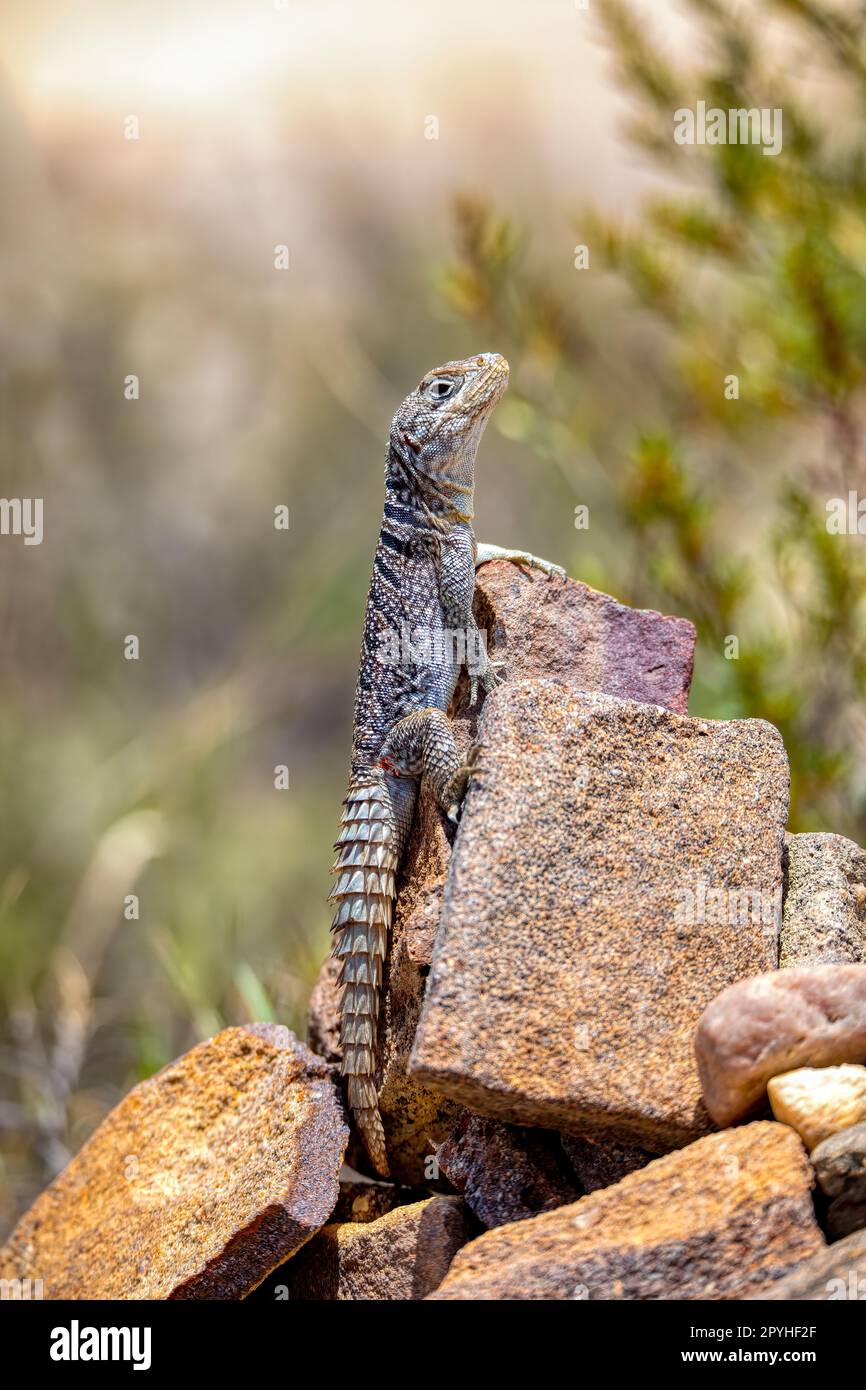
824	919
535	625
716	1220
200	1182
759	1028
506	1173
835	1274
617	865
403	1255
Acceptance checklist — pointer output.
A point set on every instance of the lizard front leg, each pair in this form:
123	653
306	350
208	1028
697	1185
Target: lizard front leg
484	552
422	744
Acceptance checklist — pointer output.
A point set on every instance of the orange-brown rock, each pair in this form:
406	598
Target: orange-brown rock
199	1183
716	1220
403	1255
835	1274
616	866
758	1028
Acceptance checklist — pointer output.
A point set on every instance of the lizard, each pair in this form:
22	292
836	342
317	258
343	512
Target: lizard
419	631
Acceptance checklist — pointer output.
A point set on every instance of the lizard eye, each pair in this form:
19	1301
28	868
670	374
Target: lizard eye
441	387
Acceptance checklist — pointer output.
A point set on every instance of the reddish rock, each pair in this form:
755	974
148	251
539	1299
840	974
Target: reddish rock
597	1163
403	1255
580	939
567	631
759	1028
198	1184
716	1220
505	1173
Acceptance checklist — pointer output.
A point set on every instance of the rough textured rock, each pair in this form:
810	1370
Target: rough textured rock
506	1173
198	1183
757	1029
597	847
403	1255
833	1274
840	1163
824	918
598	1163
819	1101
568	631
536	625
715	1220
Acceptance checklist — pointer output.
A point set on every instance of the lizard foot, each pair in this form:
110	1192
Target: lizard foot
518	557
488	679
457	787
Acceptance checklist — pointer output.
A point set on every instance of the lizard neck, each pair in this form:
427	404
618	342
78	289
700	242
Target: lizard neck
438	497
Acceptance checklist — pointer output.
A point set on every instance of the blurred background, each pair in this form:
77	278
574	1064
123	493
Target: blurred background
307	124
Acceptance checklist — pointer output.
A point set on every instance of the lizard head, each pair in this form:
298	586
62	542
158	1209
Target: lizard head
436	432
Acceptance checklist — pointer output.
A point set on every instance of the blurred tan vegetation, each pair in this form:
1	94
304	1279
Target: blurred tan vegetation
259	388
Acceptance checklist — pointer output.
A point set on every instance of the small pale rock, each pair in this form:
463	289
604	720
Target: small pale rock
506	1173
200	1182
840	1163
567	631
812	1016
600	1163
824	918
579	943
403	1255
835	1274
716	1220
819	1101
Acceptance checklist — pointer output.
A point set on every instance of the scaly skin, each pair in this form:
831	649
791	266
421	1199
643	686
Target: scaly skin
419	631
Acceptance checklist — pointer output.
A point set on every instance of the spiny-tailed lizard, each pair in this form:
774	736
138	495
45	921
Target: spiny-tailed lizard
422	586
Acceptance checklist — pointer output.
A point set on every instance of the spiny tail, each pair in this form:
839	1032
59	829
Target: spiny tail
368	849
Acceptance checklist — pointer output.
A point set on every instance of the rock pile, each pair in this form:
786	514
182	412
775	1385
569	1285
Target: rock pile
598	996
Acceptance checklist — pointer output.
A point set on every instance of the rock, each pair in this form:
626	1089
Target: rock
323	1014
403	1255
716	1220
364	1201
813	1016
844	1216
597	1163
824	918
567	631
840	1163
599	844
819	1101
564	629
198	1183
505	1173
833	1274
